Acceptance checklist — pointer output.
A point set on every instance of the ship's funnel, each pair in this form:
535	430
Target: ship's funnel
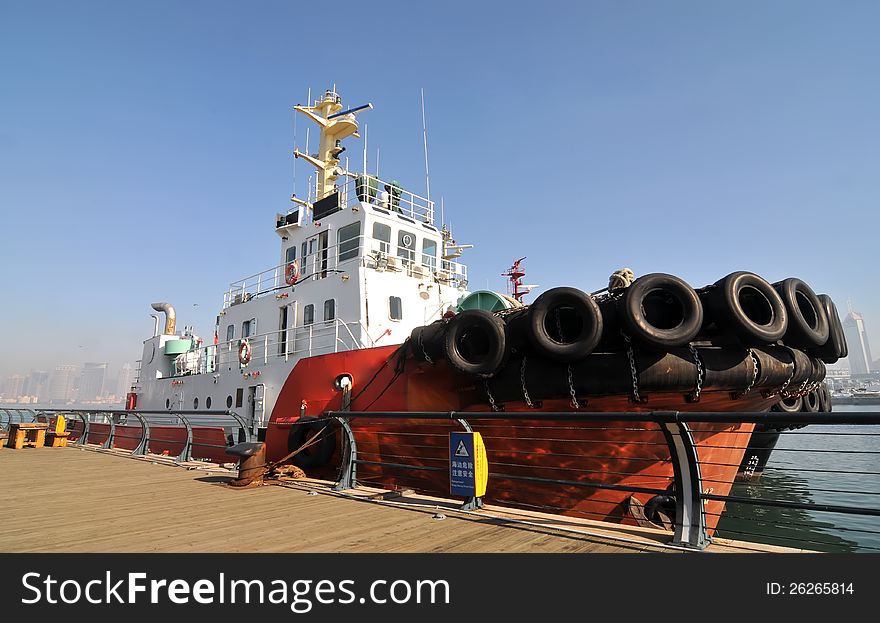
170	316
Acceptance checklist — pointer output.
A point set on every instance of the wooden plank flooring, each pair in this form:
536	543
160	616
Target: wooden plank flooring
75	500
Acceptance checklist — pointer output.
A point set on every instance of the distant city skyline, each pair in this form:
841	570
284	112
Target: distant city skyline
65	383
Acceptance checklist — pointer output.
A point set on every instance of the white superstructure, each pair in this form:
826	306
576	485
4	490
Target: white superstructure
361	263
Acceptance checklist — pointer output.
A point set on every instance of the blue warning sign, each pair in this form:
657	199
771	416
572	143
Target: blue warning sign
468	467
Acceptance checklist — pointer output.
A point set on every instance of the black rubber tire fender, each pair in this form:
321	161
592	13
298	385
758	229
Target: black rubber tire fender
746	305
475	343
812	402
807	321
824	399
661	311
789	405
317	455
568	311
834	347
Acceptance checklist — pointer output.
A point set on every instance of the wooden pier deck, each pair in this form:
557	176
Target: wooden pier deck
80	500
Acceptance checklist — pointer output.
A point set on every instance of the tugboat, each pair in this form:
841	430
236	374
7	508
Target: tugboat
368	303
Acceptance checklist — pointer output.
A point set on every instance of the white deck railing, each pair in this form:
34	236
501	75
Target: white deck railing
319	338
368	252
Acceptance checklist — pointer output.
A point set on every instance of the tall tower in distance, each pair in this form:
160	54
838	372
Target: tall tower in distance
857	341
91	386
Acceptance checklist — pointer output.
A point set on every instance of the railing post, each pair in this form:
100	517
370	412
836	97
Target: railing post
109	443
348	477
690	520
186	452
84	438
141	448
472	503
242	424
266	349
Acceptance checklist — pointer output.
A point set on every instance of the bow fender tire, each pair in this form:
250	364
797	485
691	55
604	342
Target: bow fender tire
317	455
807	321
834	347
812	402
789	405
746	305
564	324
661	311
475	344
824	399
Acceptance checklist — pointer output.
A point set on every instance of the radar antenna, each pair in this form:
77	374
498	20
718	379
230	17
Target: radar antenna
515	275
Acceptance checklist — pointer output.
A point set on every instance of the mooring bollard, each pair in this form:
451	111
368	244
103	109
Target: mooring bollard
251	463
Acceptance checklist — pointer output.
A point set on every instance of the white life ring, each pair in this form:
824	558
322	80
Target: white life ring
291	273
244	352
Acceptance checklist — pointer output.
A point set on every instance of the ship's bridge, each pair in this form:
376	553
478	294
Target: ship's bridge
375	223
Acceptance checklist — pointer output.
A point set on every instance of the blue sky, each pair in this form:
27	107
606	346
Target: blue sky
145	146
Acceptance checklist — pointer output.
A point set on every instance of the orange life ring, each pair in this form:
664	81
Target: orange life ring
244	352
291	273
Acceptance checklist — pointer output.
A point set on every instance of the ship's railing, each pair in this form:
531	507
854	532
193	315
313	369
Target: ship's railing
318	338
389	195
362	250
182	435
698	454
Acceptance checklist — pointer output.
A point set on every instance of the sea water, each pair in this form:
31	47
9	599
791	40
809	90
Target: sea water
798	471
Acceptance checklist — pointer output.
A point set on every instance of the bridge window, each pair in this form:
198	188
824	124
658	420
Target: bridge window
308	314
348	239
382	236
406	246
230	333
429	253
248	328
290	254
395	308
329	310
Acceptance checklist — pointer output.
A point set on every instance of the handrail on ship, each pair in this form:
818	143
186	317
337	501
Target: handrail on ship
316	267
319	337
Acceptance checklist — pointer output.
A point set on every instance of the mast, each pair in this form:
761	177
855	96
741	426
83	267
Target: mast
335	125
515	274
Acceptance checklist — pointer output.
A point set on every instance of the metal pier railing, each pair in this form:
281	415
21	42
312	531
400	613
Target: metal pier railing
190	434
818	490
680	434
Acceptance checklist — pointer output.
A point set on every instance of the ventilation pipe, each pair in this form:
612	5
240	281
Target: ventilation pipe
155	324
170	316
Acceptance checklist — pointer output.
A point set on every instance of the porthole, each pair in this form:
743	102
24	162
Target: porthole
195	403
208	402
167	403
229	402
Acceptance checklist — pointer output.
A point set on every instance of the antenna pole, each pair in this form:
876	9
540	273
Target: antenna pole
308	103
425	136
377	162
365	149
294	149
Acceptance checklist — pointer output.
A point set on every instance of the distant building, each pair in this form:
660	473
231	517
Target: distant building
123	383
14	387
857	342
62	383
37	386
91	384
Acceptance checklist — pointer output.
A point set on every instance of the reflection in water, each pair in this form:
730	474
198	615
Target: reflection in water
801	469
788	527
